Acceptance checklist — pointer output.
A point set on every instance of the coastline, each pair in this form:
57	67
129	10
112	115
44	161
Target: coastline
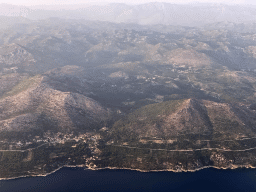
139	170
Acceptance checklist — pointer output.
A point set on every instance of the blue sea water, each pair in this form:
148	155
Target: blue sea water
78	179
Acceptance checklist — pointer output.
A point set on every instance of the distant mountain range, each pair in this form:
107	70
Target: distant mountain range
144	14
101	94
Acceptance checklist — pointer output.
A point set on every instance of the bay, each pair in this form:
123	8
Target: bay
78	179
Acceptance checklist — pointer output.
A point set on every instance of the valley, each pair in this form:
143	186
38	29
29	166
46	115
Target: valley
98	94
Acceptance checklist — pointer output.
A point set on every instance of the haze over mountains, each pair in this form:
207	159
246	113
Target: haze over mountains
130	93
144	14
117	68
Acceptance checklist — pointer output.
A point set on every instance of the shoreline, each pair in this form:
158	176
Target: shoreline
139	170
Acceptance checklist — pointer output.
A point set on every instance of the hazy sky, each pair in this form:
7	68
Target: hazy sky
55	2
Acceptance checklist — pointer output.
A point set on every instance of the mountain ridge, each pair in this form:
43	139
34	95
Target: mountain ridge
197	117
148	97
160	13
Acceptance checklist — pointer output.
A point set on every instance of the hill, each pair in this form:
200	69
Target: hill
181	135
186	119
38	104
148	97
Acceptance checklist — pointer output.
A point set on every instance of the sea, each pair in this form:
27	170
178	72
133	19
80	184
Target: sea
78	180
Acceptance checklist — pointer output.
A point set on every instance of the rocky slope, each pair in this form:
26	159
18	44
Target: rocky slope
183	135
185	119
36	104
102	94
